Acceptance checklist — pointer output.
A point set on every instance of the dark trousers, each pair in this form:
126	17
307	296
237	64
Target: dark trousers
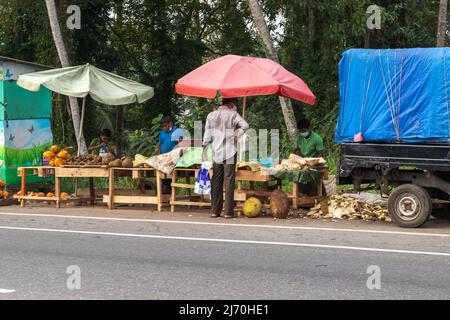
223	175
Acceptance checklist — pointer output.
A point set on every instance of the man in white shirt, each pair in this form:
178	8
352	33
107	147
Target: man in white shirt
222	130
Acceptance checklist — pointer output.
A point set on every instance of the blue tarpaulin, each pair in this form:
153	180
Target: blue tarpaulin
395	95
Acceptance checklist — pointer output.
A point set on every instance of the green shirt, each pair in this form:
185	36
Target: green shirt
310	147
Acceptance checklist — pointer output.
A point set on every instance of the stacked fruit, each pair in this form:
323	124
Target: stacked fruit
63	196
84	160
3	193
56	157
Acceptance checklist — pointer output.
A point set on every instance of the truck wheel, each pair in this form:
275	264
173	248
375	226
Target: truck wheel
409	206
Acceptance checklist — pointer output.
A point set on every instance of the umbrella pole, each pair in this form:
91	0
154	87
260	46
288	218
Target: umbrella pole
83	108
244	107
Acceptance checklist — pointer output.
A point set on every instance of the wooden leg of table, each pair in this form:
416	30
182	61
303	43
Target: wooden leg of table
91	191
159	191
76	187
174	192
188	181
141	182
111	189
23	191
58	191
295	195
320	188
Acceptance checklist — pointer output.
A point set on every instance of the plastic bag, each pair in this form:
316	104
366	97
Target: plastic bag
203	183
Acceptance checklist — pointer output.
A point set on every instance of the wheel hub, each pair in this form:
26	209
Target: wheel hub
409	206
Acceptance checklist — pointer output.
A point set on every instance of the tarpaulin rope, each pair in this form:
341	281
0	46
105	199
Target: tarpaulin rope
392	90
390	103
446	93
366	94
400	85
346	89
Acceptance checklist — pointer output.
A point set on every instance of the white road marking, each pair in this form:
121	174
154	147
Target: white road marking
292	244
231	224
7	291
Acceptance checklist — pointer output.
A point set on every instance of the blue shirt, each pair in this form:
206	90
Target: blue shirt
168	140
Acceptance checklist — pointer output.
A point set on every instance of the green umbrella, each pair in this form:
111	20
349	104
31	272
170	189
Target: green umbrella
80	81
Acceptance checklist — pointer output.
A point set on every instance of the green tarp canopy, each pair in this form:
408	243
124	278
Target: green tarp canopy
104	87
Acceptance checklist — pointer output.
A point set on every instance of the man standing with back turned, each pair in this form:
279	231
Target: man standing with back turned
223	127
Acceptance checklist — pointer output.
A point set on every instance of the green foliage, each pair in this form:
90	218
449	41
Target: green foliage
144	141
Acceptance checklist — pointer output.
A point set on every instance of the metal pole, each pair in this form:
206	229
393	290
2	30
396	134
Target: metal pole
244	107
81	121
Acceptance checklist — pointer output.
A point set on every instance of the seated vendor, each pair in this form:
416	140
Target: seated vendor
102	144
309	143
170	136
168	140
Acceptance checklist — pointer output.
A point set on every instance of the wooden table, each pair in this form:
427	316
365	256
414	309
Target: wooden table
297	199
190	199
136	196
42	172
305	200
252	177
77	172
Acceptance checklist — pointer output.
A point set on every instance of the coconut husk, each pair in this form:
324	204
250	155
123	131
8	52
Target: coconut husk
279	204
115	163
344	207
107	159
127	162
295	162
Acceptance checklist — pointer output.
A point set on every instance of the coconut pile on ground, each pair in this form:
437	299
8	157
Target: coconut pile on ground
345	207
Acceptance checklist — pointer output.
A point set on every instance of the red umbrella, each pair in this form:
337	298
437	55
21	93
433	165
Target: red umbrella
236	76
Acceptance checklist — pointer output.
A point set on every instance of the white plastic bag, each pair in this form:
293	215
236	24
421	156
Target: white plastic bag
203	183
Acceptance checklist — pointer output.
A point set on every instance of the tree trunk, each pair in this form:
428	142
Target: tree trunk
119	109
119	130
366	38
311	26
263	29
65	62
442	24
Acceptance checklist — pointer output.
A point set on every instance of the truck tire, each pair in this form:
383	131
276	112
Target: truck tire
409	206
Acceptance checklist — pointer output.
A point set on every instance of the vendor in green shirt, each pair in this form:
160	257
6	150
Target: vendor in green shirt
309	143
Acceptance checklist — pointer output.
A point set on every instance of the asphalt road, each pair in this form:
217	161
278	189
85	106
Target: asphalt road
142	255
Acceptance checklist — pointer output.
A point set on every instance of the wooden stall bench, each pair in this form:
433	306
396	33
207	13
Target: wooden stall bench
300	199
297	198
190	199
138	196
76	172
41	172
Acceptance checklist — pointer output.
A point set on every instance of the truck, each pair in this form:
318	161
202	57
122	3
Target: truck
394	129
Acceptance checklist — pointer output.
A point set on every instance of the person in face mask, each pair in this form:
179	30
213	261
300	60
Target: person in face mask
309	143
